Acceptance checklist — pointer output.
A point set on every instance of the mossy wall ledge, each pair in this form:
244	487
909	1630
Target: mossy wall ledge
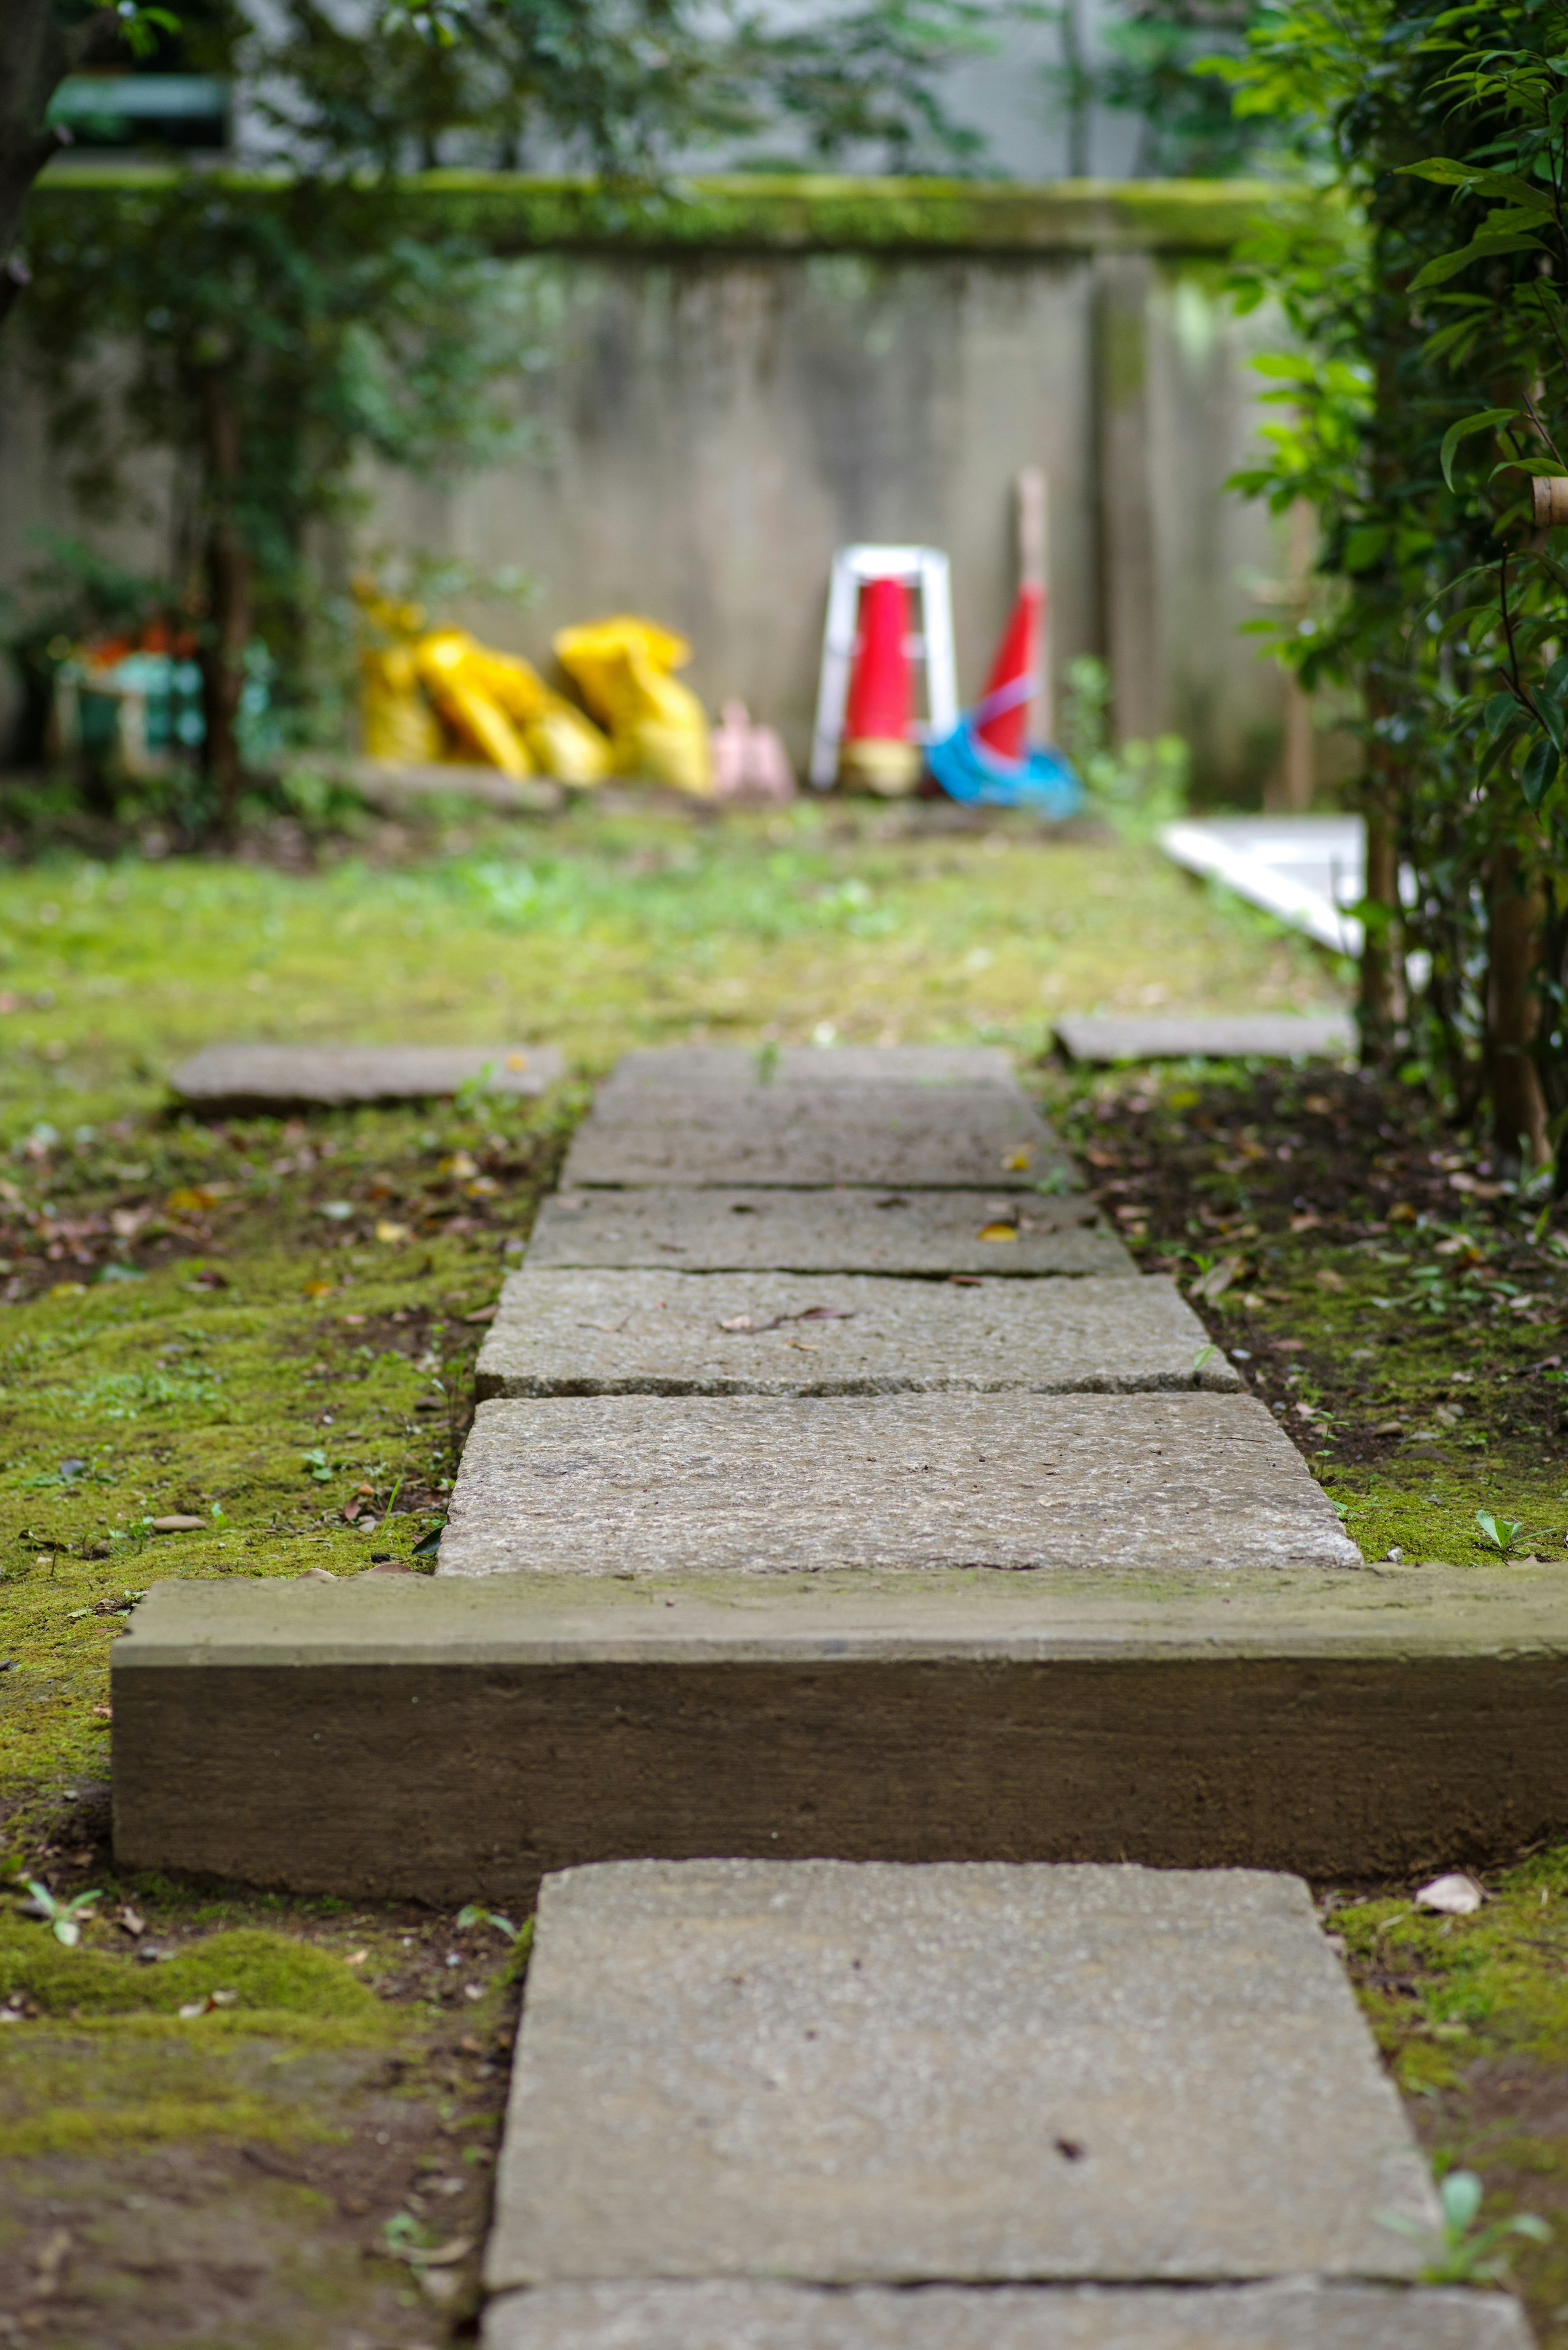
515	211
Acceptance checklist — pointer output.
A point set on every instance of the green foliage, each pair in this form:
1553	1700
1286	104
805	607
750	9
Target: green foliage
1140	786
1415	297
1158	64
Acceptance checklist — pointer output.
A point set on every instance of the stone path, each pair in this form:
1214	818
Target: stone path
1221	1036
645	1332
900	1595
931	1234
776	2107
263	1077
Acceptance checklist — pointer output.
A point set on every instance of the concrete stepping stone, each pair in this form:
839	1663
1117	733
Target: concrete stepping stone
263	1077
719	2315
677	1068
930	1138
674	1334
403	1738
1220	1036
930	1233
848	2074
1180	1484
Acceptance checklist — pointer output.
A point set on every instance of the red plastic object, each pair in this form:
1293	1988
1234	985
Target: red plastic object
1003	711
881	691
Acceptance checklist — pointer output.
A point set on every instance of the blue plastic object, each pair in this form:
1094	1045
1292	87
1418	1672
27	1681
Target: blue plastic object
970	770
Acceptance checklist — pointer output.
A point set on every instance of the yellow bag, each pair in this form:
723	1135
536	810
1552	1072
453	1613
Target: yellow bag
453	678
657	727
560	740
399	723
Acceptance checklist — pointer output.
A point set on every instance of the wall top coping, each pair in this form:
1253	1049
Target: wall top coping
518	211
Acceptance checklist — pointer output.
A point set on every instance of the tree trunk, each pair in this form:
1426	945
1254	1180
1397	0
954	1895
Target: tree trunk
36	52
1515	914
1378	1007
230	572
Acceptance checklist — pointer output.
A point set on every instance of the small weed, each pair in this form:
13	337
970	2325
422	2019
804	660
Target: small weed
65	1919
1468	2255
1502	1534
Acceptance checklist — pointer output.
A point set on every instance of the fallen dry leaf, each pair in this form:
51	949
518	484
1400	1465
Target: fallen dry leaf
356	1958
1326	1278
1457	1895
178	1522
482	1313
1016	1162
388	1232
997	1232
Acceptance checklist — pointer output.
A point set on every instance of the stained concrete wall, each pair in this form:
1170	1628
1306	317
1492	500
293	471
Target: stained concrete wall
711	421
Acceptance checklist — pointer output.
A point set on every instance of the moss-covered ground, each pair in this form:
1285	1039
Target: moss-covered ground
266	1327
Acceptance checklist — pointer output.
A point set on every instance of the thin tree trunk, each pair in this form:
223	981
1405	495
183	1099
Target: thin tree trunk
1515	914
230	578
36	52
1378	1007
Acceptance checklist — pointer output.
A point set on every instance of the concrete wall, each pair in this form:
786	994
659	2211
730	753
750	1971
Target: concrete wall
713	420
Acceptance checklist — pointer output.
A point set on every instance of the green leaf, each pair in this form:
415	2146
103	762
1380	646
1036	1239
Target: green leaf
1365	543
1540	772
1482	248
1500	712
1481	422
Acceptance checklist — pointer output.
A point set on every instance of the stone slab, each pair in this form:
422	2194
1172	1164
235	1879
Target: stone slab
929	1137
1221	1036
1191	1484
851	2074
448	1739
927	1234
293	1077
645	1332
719	2315
677	1068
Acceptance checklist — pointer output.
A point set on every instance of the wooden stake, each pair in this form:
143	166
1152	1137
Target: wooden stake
1034	571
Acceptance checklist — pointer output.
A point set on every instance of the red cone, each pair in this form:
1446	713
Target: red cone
876	749
1002	711
880	690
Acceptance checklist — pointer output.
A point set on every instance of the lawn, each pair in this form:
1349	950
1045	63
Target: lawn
266	1327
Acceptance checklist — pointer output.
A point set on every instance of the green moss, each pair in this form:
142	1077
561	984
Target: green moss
268	1973
515	211
76	2093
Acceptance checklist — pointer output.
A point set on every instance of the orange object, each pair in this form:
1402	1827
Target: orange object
1003	709
876	749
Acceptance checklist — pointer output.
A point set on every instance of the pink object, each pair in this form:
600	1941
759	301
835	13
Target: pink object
750	763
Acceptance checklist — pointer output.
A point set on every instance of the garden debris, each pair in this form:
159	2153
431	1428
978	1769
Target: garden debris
1457	1895
657	726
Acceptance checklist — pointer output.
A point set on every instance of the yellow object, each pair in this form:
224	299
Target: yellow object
397	720
657	726
434	693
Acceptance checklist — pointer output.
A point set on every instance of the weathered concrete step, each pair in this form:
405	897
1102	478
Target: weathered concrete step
290	1076
719	2315
930	1138
1224	1035
931	1234
1197	1485
442	1739
643	1333
845	2074
679	1067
